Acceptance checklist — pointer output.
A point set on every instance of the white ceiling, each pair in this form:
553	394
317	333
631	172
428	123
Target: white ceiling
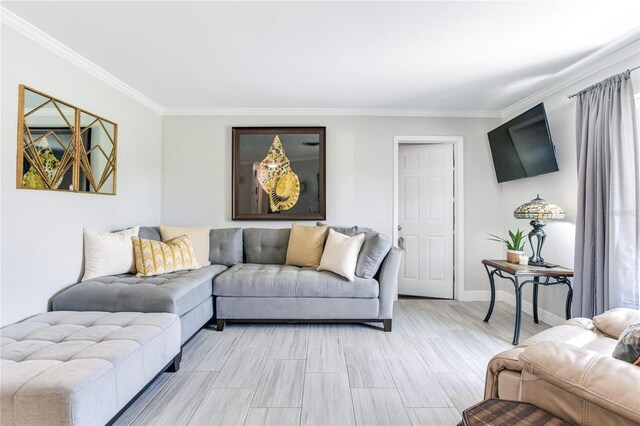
460	56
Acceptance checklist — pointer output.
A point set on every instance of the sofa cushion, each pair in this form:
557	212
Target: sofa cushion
253	280
266	246
176	292
375	248
80	368
225	246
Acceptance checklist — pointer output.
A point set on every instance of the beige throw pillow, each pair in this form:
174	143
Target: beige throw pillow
305	245
108	253
341	254
199	236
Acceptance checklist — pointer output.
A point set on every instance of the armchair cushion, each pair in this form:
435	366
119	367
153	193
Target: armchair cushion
598	379
615	321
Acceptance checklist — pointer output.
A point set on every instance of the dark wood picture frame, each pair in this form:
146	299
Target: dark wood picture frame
235	173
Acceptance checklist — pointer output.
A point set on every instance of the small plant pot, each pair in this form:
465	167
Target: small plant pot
513	256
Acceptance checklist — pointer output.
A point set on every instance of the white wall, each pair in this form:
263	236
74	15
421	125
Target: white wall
41	231
561	187
190	183
196	173
196	176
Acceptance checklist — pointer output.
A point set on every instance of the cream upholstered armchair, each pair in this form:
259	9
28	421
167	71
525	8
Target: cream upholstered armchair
568	370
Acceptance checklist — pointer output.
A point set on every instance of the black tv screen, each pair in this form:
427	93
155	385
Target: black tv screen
522	147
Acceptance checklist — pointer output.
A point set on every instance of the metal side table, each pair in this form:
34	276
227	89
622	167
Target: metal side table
521	275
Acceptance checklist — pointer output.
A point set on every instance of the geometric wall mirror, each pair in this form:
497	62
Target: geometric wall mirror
62	147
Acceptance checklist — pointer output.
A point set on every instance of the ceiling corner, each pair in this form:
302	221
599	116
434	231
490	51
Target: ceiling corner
36	35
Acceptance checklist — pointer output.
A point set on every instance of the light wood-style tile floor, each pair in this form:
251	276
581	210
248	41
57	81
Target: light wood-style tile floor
425	372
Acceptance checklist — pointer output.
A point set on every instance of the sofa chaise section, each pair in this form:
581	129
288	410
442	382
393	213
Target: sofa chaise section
80	368
184	293
188	294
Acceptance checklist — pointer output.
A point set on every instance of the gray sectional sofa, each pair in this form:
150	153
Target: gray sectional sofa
248	281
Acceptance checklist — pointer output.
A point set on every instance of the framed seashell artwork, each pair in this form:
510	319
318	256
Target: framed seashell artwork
278	173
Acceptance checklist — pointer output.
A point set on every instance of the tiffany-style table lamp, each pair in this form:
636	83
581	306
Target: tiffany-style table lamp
539	211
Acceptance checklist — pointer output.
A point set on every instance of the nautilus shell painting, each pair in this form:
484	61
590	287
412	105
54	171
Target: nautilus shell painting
277	179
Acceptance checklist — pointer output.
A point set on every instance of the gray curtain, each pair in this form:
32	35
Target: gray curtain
607	253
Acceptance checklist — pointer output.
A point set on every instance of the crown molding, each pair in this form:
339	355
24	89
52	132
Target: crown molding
623	48
33	33
354	112
620	49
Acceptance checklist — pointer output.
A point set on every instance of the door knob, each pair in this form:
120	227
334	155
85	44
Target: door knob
401	243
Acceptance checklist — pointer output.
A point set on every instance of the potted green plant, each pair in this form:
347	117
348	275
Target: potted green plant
515	245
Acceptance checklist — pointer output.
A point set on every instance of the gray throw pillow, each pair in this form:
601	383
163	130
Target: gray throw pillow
351	231
150	233
628	347
375	248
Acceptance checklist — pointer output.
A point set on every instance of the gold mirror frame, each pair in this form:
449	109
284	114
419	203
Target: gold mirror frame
73	165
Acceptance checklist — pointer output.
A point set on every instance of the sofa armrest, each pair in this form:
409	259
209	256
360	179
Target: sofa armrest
598	379
388	279
506	360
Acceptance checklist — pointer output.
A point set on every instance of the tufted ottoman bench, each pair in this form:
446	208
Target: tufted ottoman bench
82	368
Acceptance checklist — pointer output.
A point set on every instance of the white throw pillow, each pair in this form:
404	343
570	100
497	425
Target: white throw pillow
108	253
340	254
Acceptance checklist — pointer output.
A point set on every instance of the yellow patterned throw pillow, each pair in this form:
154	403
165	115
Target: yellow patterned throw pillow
155	257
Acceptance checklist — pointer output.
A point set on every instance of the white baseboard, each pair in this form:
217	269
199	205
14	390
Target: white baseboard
527	307
475	296
510	298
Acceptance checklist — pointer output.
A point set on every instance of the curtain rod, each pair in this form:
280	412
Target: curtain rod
576	94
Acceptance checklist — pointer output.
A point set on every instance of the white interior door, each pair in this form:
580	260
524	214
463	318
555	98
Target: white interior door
425	219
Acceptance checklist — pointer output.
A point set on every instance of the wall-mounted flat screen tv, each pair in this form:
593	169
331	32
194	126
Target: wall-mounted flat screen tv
522	147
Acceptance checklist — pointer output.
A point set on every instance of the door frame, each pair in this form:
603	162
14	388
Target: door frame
458	185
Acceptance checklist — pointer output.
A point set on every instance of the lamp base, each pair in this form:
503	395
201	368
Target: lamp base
538	233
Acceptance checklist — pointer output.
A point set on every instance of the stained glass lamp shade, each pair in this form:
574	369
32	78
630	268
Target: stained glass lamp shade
539	211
